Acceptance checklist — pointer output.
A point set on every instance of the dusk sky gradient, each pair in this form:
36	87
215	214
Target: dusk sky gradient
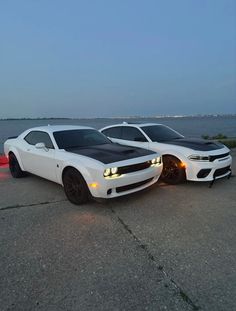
117	58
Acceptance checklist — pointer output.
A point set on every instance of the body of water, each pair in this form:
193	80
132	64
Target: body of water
188	126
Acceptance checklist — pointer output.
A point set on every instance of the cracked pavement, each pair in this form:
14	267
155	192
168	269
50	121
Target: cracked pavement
165	248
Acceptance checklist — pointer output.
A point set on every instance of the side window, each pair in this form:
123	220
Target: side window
35	137
113	132
132	133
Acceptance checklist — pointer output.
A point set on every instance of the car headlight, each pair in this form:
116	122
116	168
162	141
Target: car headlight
111	172
196	157
156	161
114	170
107	172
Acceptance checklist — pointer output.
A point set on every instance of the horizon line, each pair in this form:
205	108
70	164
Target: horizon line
121	117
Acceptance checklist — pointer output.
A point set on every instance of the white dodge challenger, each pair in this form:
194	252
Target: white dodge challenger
84	161
183	158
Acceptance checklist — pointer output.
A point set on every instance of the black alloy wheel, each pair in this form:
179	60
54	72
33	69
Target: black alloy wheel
173	170
14	167
75	187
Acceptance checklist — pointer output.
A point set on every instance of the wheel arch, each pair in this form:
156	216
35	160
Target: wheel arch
176	155
183	166
67	167
170	155
16	154
75	187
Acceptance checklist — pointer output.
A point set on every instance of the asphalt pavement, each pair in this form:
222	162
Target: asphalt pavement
165	248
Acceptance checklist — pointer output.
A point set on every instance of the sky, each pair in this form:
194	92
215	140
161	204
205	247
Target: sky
102	58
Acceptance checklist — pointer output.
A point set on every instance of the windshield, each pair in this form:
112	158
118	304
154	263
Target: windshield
79	138
161	133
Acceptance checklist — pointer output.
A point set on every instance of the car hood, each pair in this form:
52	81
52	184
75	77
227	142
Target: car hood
196	144
108	153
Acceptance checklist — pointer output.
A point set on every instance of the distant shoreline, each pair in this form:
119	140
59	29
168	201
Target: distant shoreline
127	117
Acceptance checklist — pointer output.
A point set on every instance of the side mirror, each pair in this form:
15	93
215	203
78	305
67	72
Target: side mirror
41	146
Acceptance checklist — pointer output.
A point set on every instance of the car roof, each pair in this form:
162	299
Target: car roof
133	124
56	128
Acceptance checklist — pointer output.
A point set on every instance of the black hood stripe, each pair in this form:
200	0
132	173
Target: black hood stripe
108	153
196	144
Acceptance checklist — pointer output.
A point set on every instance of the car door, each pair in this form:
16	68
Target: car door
39	161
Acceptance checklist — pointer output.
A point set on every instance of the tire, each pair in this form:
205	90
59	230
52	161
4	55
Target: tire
14	167
173	172
75	187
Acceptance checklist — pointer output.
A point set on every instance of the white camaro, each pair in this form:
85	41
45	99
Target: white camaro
183	158
82	160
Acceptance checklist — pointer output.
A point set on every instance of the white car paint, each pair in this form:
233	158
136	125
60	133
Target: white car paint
50	163
192	168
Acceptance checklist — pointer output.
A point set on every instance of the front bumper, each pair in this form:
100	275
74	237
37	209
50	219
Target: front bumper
196	171
126	183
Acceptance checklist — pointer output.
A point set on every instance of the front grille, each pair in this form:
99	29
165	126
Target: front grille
222	171
133	186
134	167
219	156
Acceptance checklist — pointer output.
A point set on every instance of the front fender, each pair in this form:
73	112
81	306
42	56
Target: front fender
89	171
16	153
